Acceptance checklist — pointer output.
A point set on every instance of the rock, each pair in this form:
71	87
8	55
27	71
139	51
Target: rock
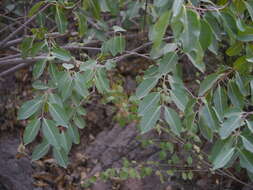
15	174
109	149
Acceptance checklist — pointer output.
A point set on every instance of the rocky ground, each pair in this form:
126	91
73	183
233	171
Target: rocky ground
104	144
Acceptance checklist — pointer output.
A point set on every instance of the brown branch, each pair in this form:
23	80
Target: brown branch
3	43
18	60
13	69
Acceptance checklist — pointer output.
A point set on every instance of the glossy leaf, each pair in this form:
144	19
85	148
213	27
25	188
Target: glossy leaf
145	87
149	101
40	150
31	131
247	142
249	6
191	32
235	95
35	8
172	118
66	141
180	97
230	125
61	54
29	108
82	24
160	29
58	114
79	122
223	158
250	125
61	20
74	134
208	83
176	8
51	133
101	81
246	160
206	35
220	100
39	68
61	157
150	118
168	62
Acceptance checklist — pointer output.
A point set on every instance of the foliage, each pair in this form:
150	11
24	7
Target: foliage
219	109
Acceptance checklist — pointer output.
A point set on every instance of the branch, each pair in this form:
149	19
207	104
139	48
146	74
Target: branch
19	60
3	43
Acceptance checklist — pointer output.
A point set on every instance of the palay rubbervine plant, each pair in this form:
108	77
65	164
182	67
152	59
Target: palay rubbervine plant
218	110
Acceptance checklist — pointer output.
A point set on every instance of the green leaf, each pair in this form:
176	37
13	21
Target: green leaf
246	160
145	87
61	54
160	29
101	81
191	32
40	150
61	20
235	95
51	133
36	48
149	101
222	152
230	125
55	99
39	85
209	117
220	101
66	141
150	118
81	111
180	97
65	85
79	122
114	45
250	125
229	24
74	134
176	8
235	49
82	24
94	6
29	108
196	56
208	83
81	88
26	45
223	158
247	142
249	6
205	130
31	131
206	35
52	69
58	114
61	157
35	8
39	68
168	62
173	120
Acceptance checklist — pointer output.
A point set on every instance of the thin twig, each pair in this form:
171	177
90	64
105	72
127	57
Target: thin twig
211	8
13	69
3	43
